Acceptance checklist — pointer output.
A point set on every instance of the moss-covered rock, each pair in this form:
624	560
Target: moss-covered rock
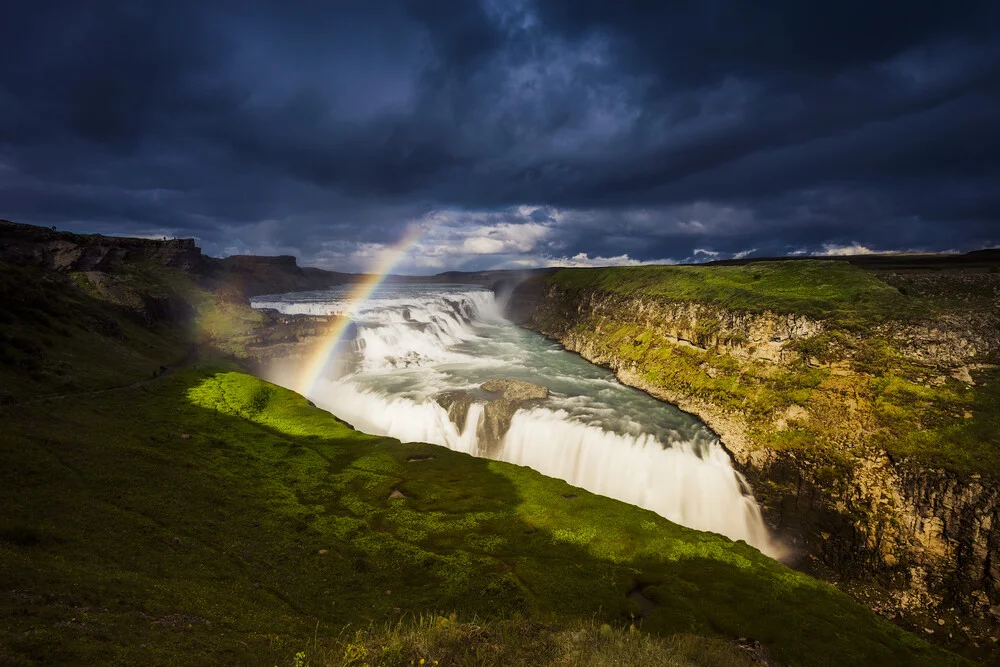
835	392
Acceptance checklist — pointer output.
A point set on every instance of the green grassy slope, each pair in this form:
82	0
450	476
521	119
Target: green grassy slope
57	336
62	333
818	289
910	410
123	541
202	516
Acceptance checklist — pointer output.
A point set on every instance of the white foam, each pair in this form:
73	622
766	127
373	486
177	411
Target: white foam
595	434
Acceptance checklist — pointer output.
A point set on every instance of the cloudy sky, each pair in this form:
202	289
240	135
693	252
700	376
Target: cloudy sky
509	132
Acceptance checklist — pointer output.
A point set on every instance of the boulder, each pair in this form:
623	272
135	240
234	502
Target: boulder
497	411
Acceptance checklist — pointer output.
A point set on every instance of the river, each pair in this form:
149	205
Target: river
418	342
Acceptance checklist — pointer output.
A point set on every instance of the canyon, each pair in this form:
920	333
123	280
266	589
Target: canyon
860	405
850	433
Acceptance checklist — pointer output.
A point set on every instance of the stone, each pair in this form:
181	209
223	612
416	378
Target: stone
881	512
516	390
497	412
456	404
396	495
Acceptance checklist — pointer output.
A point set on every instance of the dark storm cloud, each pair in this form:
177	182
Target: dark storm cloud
515	132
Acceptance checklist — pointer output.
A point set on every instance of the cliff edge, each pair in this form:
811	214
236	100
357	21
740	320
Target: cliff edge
862	406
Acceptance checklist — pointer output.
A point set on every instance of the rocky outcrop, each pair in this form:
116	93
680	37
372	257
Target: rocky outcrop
929	535
250	275
64	251
501	400
241	276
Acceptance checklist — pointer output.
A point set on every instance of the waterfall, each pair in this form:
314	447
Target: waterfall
422	341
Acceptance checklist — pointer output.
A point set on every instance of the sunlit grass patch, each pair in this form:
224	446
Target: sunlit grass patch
815	288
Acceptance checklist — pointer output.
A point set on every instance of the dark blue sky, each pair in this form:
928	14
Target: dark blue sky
514	133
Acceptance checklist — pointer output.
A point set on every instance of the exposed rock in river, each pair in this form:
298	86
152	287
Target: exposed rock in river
497	410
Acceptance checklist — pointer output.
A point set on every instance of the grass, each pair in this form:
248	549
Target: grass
207	517
819	289
56	337
439	640
125	542
910	411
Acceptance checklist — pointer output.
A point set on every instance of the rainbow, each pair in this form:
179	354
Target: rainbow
318	361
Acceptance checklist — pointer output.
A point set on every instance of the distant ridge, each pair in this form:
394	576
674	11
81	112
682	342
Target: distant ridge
983	258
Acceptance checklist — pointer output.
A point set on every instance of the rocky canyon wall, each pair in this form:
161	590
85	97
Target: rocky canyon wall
809	412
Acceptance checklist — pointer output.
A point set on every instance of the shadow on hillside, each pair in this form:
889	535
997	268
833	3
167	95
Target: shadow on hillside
212	530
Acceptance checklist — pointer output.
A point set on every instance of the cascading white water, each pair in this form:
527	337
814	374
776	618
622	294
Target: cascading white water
695	487
420	341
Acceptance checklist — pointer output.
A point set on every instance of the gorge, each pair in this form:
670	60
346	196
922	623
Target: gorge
861	405
424	349
154	487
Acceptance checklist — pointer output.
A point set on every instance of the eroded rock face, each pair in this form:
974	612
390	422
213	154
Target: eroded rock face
932	535
497	410
456	404
243	275
63	251
516	391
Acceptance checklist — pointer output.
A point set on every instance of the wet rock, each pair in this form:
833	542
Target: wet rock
497	410
456	404
516	390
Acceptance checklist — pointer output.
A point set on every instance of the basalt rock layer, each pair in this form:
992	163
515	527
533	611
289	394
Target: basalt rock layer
827	421
502	399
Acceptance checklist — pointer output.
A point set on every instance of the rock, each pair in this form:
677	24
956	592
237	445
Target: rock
185	436
456	404
396	495
497	412
938	531
962	375
516	390
323	552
